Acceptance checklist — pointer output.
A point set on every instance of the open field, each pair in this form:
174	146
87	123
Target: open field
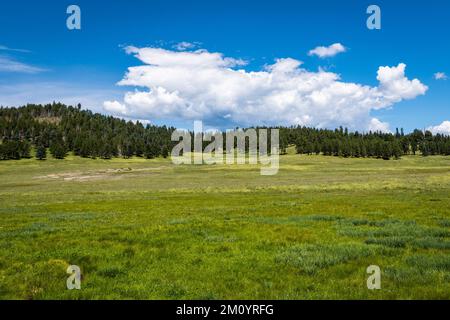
146	229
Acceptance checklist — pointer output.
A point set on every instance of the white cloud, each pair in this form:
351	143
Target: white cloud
443	128
395	86
115	107
184	45
210	87
330	51
5	48
170	59
440	76
10	65
377	125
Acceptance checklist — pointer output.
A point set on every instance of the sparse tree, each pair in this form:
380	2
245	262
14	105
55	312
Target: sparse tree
41	152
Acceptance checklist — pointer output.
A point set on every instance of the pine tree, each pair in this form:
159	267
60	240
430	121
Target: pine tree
24	149
165	151
58	150
396	150
106	151
385	151
41	152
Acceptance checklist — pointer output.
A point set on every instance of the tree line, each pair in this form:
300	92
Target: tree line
61	129
341	142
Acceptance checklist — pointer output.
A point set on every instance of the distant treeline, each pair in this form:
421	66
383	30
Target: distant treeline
341	142
62	129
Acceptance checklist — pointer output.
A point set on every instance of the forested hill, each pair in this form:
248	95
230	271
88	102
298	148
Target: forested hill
63	129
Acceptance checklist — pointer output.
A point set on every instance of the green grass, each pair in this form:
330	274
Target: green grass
146	229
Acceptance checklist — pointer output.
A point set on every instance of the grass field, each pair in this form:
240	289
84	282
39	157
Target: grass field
146	229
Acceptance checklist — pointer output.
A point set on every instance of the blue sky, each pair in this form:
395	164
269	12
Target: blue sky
85	65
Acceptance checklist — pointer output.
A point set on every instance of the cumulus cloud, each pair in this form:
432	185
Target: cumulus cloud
443	128
115	107
208	86
440	76
326	52
395	86
377	125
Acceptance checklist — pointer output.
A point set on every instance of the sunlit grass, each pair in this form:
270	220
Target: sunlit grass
146	229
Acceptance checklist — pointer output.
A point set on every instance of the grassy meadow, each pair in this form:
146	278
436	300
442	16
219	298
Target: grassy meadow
147	229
